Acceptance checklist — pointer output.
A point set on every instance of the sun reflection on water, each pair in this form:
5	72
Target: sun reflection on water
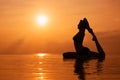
41	57
41	54
41	76
40	62
40	68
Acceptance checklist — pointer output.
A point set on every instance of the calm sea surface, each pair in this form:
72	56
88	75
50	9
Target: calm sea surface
46	66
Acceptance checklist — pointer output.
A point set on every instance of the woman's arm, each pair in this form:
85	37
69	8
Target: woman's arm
99	48
87	26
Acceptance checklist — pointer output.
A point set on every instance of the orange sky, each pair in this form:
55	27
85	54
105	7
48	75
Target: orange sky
20	33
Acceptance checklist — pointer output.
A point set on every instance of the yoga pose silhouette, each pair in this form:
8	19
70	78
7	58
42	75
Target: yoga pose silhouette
78	43
79	37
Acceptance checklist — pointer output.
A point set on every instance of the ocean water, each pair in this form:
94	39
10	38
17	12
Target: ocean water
48	66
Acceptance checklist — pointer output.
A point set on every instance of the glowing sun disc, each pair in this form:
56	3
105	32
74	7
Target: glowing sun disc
42	19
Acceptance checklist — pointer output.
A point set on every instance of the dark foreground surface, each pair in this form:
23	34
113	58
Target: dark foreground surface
48	66
91	55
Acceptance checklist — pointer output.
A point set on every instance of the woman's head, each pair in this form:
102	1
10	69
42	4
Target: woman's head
81	25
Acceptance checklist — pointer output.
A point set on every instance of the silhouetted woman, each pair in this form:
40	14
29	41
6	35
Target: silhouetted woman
79	37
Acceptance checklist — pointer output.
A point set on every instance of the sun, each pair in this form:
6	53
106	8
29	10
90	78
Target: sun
42	19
